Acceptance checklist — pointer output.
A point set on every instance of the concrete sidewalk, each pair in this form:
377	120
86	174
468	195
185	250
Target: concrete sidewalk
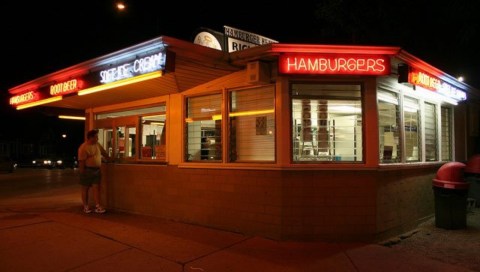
68	240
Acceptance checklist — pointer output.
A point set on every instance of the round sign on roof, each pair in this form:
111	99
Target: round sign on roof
207	39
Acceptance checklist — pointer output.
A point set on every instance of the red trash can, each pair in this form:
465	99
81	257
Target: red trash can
451	193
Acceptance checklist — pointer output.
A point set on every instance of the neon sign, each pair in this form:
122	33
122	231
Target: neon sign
429	82
137	67
334	64
65	87
24	98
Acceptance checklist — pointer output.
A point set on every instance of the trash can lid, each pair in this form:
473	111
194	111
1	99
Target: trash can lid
450	184
451	172
473	165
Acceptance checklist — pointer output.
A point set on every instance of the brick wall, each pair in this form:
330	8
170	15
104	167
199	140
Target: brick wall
327	205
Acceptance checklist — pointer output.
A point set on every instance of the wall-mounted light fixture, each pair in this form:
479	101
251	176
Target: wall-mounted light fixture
120	83
39	102
70	117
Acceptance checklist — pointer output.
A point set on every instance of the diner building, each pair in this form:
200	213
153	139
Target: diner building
303	142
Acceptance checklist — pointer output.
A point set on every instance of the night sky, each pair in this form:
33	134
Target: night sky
42	37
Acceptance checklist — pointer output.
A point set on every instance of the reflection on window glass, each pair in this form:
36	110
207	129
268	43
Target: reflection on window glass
204	128
411	117
153	143
389	127
252	124
327	123
431	149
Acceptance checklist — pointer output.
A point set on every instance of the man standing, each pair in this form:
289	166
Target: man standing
90	155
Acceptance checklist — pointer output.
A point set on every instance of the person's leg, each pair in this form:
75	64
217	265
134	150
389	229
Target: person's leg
96	197
85	195
85	190
96	194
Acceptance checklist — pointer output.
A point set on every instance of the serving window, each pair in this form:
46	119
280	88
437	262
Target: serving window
134	135
326	122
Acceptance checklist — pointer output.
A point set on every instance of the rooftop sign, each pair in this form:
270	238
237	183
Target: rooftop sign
238	39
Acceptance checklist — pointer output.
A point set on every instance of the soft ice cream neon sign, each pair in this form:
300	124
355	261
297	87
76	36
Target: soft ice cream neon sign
137	67
342	64
429	82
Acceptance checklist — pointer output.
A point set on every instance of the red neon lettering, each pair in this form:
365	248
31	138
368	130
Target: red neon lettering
24	98
361	65
334	64
65	87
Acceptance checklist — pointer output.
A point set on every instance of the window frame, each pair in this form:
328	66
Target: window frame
361	98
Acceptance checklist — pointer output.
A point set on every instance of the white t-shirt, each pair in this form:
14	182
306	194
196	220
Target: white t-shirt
91	154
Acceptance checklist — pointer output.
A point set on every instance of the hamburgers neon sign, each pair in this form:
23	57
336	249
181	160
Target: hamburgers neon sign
334	64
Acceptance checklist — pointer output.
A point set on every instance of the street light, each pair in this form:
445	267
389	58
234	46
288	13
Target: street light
120	5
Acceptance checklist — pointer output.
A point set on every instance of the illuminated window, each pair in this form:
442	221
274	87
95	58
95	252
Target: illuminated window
411	117
431	144
124	141
252	124
389	127
327	123
446	130
154	129
130	135
203	133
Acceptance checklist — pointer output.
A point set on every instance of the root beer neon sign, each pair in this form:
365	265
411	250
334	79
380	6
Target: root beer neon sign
66	87
334	64
432	83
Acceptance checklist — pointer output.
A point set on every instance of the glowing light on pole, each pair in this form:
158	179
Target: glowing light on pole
121	6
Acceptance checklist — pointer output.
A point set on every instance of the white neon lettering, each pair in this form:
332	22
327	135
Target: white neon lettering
138	66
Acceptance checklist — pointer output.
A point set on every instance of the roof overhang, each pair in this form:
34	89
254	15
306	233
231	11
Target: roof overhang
187	65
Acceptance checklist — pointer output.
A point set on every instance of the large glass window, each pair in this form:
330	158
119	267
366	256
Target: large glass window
389	127
411	117
327	122
204	128
424	137
252	124
431	146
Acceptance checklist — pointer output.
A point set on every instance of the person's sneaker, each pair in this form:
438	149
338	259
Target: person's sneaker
99	209
87	209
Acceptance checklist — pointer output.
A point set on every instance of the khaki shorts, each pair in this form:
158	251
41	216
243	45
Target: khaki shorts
91	176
